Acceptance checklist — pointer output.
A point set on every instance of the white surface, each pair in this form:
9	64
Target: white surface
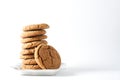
86	33
69	74
48	72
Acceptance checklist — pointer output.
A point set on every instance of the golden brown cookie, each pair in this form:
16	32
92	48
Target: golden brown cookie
47	57
27	34
35	27
29	61
28	51
23	66
26	56
35	38
33	44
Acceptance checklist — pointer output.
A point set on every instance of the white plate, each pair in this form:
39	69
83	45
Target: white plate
48	72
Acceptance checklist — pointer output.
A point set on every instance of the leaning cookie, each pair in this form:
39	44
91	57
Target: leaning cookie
47	57
28	34
29	61
35	27
35	38
27	56
33	44
23	66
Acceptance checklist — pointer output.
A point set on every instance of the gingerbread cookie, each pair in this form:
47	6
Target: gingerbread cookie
33	44
31	39
32	33
23	66
29	61
26	56
35	27
47	57
28	51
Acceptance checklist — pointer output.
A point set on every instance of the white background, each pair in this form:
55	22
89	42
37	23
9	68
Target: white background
86	33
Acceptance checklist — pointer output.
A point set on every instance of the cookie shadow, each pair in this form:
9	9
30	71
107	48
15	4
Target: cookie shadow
70	71
75	70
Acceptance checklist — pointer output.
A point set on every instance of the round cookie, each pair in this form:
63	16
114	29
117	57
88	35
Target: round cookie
27	56
47	57
29	61
33	44
35	27
23	66
35	38
28	51
27	34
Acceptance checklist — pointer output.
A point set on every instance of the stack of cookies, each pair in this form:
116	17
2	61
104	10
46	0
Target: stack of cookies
32	36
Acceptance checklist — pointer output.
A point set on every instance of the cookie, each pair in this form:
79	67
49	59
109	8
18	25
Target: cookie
47	57
29	61
28	34
28	51
23	66
31	39
33	44
35	27
26	56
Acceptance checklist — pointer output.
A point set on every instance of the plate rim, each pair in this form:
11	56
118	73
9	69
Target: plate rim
17	67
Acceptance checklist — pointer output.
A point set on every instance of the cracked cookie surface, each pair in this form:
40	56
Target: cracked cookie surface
47	57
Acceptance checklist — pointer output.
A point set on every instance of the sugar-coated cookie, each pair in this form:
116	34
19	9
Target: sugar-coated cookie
33	44
23	66
26	56
35	27
28	51
29	61
35	38
28	34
